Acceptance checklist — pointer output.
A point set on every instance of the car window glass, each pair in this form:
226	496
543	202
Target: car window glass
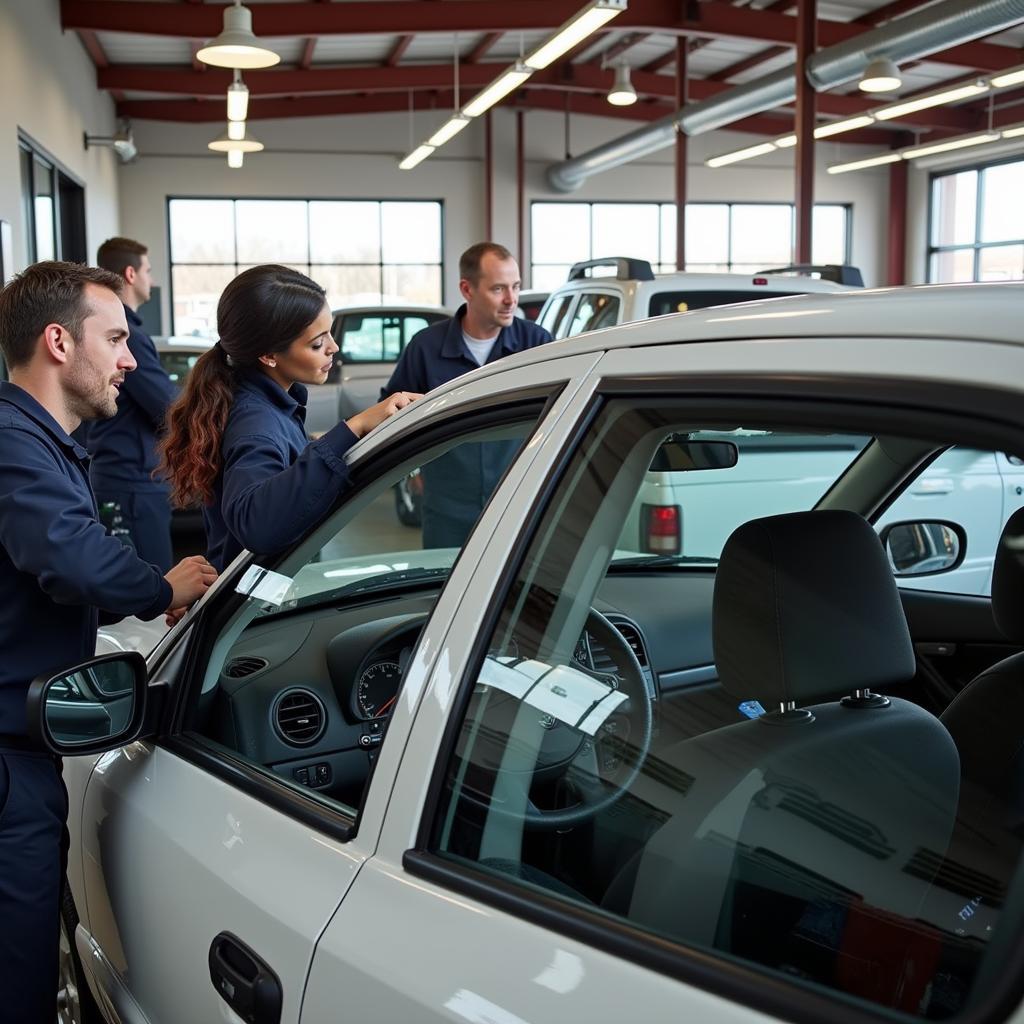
594	312
692	298
301	683
178	365
690	812
555	314
976	489
370	338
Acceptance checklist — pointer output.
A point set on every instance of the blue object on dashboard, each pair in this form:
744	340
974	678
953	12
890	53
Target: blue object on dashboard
751	708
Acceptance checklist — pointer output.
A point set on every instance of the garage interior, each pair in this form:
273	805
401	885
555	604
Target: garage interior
553	170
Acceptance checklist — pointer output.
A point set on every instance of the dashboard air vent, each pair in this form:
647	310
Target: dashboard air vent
632	637
299	717
239	668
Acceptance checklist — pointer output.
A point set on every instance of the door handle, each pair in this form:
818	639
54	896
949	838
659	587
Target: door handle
244	980
933	485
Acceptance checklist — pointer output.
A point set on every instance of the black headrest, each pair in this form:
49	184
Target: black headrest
806	608
1008	579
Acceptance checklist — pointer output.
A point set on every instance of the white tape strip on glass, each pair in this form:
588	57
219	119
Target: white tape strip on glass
264	585
564	692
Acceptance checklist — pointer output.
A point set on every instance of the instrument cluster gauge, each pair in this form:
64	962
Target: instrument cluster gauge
377	690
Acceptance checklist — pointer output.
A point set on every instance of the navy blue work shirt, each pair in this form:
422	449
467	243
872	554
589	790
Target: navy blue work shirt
58	567
274	483
123	448
457	485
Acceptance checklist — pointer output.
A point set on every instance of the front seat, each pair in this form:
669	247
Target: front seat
791	845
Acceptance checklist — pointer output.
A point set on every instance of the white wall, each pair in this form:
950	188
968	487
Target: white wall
357	157
48	86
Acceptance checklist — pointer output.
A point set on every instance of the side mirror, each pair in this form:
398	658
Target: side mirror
681	456
924	548
89	709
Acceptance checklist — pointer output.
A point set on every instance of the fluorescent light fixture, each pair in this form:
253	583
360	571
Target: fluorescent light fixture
1013	133
508	81
236	46
418	155
941	147
1007	78
575	30
823	131
880	75
448	130
238	98
871	161
235	158
786	142
225	143
236	130
740	154
961	92
622	93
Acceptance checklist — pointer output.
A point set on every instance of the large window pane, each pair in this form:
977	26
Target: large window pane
707	234
1002	214
344	232
626	229
202	230
196	293
548	278
1001	263
348	285
667	257
828	234
954	204
762	236
272	231
45	219
413	284
411	232
948	267
560	233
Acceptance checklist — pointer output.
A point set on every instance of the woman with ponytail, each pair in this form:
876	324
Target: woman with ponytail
236	441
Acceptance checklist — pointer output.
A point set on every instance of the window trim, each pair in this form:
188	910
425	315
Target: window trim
27	144
858	400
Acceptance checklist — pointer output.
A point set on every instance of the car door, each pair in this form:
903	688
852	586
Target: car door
426	937
214	855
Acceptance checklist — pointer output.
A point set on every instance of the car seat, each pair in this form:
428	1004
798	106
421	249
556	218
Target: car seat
790	847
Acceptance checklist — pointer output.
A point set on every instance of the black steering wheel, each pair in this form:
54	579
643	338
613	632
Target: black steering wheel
599	766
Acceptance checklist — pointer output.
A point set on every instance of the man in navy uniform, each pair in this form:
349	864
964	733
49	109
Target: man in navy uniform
65	341
457	485
123	448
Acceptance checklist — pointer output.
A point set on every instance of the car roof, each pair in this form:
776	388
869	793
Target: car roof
182	343
710	282
983	312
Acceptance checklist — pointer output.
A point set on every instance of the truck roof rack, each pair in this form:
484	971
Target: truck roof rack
626	268
840	273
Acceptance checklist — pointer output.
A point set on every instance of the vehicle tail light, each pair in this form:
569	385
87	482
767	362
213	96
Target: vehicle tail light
760	280
662	529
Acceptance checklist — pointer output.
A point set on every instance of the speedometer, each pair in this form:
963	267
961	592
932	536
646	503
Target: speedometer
377	689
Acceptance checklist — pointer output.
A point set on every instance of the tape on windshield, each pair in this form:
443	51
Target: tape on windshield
264	585
563	692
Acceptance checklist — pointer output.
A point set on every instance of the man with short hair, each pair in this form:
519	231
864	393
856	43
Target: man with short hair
457	485
123	448
65	340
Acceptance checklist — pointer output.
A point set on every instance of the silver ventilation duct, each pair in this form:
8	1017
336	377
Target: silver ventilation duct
926	31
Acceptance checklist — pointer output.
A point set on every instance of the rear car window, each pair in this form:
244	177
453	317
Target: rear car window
378	337
688	299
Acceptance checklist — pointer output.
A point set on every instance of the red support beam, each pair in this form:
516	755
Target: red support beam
194	47
681	148
806	39
398	51
486	42
897	226
617	49
95	50
307	53
488	176
713	18
521	189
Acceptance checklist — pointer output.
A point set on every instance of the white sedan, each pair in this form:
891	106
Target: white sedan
541	777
